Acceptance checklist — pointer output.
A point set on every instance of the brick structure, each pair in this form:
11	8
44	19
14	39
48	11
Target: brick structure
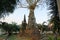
31	20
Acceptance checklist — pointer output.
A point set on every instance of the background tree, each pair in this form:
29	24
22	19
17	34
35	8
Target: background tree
39	26
15	27
44	27
55	15
10	28
7	7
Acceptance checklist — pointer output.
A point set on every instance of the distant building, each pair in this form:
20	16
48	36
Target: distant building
24	23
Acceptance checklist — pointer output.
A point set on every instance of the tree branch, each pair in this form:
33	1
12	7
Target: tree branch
39	2
27	2
21	5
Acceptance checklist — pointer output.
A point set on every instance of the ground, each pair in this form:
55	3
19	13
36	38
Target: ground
16	37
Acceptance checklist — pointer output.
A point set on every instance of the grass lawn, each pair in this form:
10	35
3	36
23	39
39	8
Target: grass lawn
51	37
14	37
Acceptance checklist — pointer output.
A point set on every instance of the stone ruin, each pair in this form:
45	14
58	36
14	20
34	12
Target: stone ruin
31	27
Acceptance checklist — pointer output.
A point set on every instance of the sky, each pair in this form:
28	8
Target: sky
41	15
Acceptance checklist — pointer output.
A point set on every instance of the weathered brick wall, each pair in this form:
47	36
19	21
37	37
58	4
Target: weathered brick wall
34	34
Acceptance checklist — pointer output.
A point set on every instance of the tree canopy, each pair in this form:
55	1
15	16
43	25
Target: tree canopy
6	7
55	15
9	27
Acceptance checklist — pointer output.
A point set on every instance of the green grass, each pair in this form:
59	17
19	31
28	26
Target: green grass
14	37
59	38
3	36
51	37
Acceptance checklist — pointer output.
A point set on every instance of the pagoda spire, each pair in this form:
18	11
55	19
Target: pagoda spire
24	18
24	23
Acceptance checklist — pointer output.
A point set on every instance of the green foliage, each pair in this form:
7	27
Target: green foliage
55	16
51	37
10	27
12	37
5	26
6	7
39	26
44	28
15	27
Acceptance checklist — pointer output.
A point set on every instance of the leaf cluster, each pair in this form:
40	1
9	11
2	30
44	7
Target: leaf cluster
6	7
10	27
